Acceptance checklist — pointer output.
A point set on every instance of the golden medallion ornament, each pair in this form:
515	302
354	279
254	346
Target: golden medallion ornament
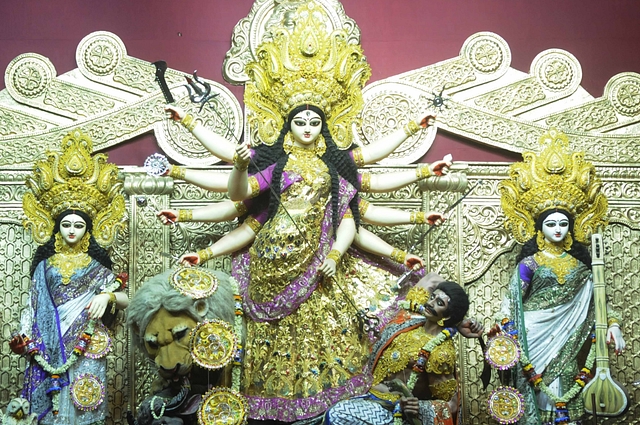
100	344
506	405
87	392
194	282
222	406
213	344
503	351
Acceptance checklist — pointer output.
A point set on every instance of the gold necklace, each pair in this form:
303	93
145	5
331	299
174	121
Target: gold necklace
68	259
560	263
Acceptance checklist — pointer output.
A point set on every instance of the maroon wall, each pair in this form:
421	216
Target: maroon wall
397	36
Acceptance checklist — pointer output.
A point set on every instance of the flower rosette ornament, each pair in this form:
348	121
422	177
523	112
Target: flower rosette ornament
222	406
87	392
213	344
506	405
197	283
503	351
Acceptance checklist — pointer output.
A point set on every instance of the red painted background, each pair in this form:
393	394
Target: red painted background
397	36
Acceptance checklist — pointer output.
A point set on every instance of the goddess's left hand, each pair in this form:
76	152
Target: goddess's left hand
440	168
614	335
98	306
413	262
328	268
434	218
427	121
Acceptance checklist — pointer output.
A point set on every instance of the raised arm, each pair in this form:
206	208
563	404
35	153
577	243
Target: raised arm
385	216
205	179
233	241
215	213
238	185
216	144
372	243
388	182
384	146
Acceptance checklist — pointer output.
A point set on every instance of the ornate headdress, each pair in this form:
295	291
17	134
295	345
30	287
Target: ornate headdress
556	178
74	180
307	65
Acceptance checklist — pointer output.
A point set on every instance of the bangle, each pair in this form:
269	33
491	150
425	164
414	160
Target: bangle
398	255
205	254
348	214
189	122
239	163
185	215
357	156
423	171
334	255
240	207
177	172
417	217
363	206
411	128
365	182
613	322
112	301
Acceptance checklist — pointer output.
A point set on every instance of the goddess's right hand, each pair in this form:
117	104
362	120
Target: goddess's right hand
190	259
168	216
175	113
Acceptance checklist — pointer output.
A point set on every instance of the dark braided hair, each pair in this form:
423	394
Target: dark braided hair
578	250
338	162
48	249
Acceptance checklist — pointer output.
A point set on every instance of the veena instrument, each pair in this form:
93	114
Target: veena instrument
610	397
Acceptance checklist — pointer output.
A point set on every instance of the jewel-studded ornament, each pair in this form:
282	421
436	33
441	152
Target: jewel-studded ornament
101	343
196	283
503	351
156	165
213	344
222	406
506	405
87	392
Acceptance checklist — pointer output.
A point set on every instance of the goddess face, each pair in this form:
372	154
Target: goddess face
436	308
72	229
555	227
305	128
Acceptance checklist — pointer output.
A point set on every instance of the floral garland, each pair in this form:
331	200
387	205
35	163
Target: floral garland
33	349
582	378
419	366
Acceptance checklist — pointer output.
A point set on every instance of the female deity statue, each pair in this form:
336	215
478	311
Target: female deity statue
553	204
300	276
414	361
74	207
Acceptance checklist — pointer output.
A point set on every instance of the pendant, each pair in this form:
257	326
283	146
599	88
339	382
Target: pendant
222	406
196	283
101	344
87	392
506	405
213	344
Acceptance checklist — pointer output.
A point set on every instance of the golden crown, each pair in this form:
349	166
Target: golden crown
558	178
307	65
74	180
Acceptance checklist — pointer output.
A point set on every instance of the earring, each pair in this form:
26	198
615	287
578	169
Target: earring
441	322
288	143
321	146
540	241
567	242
